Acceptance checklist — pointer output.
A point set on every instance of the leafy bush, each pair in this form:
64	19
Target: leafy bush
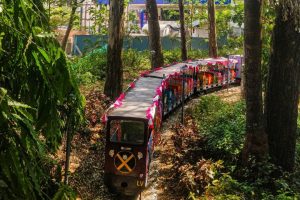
174	55
64	193
39	102
91	67
197	54
134	62
171	56
225	187
255	182
222	124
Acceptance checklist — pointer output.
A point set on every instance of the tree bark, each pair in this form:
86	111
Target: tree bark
157	59
213	48
70	25
182	31
282	91
114	73
256	143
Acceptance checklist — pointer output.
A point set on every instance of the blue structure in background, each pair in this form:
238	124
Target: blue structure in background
142	18
225	2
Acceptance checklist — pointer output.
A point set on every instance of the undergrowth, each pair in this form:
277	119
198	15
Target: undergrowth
214	171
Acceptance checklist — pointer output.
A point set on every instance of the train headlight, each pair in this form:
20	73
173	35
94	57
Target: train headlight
140	155
111	153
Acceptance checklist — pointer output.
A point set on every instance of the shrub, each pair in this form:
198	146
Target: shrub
171	56
65	193
174	55
134	62
90	68
197	54
225	187
222	124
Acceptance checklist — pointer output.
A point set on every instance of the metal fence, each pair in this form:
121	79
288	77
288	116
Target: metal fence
85	43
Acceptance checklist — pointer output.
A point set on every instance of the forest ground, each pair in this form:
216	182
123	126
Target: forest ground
87	156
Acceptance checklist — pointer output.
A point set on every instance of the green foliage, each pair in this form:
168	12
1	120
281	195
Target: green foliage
256	181
135	62
222	124
223	16
100	16
268	20
59	16
238	13
91	67
225	187
39	100
234	14
196	54
65	193
172	56
233	46
132	23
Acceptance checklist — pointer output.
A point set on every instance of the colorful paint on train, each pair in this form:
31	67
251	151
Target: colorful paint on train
133	122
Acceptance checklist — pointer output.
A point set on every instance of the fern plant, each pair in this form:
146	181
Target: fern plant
39	101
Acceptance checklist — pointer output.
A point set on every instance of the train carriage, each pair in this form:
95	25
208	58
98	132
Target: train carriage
129	138
134	120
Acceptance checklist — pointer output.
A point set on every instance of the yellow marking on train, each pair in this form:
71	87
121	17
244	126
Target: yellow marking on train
124	162
139	183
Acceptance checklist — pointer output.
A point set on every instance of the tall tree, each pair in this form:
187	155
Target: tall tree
114	74
182	31
256	143
282	90
157	59
74	4
213	48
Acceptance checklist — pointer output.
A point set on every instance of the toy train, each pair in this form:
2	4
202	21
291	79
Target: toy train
134	120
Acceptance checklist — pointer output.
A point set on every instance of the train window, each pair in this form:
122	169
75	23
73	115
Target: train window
125	131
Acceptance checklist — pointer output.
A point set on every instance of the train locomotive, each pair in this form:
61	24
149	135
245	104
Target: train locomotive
134	120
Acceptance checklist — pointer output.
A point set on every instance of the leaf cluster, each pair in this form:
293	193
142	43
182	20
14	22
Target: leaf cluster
222	124
39	101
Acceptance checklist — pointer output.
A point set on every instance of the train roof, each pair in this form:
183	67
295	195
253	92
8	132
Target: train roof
138	99
167	71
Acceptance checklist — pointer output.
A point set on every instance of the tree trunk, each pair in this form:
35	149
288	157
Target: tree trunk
256	143
213	48
243	77
157	59
182	31
70	25
114	73
282	90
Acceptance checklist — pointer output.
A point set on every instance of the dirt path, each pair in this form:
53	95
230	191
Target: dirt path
87	160
162	186
161	166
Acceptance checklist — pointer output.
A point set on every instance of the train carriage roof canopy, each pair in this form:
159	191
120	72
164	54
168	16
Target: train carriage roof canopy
224	2
138	99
